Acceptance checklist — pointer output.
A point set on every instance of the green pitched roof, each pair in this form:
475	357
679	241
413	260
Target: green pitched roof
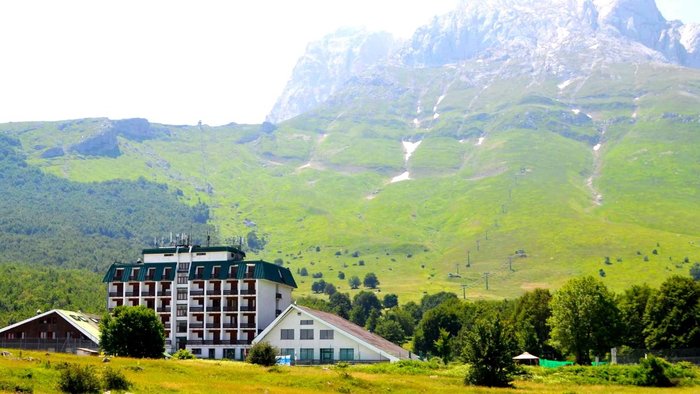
262	270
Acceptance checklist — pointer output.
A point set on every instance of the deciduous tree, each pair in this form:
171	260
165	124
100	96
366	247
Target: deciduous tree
132	331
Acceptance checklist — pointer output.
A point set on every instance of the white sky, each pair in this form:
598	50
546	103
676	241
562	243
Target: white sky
176	61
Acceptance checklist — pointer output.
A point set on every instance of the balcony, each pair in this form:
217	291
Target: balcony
248	308
164	309
166	293
231	292
132	294
248	325
196	292
148	293
214	292
213	325
196	325
248	292
115	293
230	325
231	308
196	309
214	309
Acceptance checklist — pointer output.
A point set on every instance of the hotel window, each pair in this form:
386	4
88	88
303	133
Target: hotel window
183	267
286	333
182	279
347	354
306	354
306	334
306	322
182	326
181	294
326	334
182	310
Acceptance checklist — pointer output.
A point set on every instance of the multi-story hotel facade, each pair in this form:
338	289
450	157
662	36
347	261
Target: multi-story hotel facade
211	301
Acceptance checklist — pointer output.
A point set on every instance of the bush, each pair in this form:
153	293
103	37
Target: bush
262	353
183	354
115	380
78	379
652	372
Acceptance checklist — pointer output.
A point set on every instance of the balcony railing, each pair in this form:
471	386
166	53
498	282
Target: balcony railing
230	325
231	292
247	325
196	309
213	325
148	293
196	292
213	292
166	293
132	294
164	310
115	293
248	308
196	325
214	309
248	292
230	308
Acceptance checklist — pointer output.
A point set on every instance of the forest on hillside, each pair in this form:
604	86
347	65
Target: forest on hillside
47	220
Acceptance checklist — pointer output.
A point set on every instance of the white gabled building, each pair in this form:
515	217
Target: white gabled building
315	337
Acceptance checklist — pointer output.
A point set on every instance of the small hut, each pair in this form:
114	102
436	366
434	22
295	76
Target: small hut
527	359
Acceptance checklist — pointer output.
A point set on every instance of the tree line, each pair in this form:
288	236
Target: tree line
581	320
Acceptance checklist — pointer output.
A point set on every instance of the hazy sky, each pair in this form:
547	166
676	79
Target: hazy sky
179	62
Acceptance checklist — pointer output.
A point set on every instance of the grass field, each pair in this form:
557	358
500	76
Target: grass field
40	372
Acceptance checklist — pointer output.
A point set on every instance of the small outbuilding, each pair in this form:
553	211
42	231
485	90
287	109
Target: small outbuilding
54	331
527	359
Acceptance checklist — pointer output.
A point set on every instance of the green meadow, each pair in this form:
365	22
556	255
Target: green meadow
40	373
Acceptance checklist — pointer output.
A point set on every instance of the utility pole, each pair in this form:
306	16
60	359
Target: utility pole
486	279
464	291
469	259
457	265
510	263
477	244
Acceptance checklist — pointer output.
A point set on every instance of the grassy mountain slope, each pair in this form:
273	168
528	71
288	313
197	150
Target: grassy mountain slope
504	165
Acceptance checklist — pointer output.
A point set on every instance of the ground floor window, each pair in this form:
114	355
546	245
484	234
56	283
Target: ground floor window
287	352
230	354
306	354
347	354
327	355
196	351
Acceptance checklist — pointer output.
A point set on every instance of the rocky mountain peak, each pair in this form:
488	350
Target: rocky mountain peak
326	65
556	37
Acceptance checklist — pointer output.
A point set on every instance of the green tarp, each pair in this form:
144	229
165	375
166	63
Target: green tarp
553	363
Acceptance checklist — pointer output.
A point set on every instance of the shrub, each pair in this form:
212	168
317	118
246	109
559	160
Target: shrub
79	379
115	380
183	354
652	372
262	353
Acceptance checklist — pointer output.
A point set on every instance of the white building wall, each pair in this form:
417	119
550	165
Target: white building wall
339	341
266	302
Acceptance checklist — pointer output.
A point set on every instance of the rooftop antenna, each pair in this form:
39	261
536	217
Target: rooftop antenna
208	238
